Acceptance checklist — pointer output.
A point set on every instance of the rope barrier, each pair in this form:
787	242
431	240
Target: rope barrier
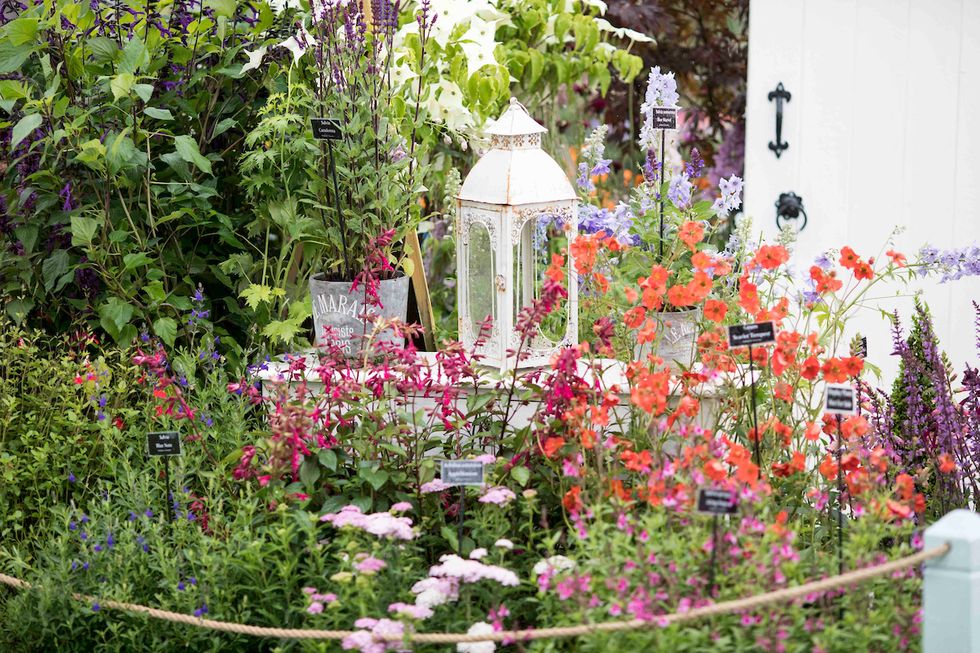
737	605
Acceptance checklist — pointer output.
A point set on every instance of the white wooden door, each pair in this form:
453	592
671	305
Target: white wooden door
883	128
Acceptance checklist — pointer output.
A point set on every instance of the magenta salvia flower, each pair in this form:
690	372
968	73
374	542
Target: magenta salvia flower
381	524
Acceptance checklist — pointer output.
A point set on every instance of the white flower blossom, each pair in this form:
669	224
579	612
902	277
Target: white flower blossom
479	628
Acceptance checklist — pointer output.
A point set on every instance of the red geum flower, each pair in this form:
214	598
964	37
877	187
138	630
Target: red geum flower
853	365
833	371
748	295
552	445
863	271
946	464
572	500
771	257
810	368
637	462
715	470
854	426
634	317
897	258
828	468
848	258
648	333
715	310
691	234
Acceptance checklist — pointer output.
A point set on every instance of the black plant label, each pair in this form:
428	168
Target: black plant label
163	443
758	333
664	118
717	502
326	129
840	400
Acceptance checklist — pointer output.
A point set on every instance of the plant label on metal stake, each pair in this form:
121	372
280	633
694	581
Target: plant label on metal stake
326	129
746	335
664	118
840	399
461	472
715	502
164	444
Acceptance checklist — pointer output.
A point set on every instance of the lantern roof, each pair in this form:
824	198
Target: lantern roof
515	121
515	170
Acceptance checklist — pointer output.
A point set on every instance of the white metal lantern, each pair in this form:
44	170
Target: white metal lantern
516	208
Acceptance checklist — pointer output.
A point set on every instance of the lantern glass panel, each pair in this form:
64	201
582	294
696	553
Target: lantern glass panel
481	268
540	237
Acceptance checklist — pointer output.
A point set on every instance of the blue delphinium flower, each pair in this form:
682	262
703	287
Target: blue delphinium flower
203	610
679	192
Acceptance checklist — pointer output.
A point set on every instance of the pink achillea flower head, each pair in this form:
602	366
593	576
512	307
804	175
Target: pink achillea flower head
381	524
499	495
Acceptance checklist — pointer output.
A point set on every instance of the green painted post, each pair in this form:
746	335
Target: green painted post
951	588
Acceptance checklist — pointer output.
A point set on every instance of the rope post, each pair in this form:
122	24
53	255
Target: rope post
951	592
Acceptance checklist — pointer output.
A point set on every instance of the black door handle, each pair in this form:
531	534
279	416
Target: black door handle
789	206
780	95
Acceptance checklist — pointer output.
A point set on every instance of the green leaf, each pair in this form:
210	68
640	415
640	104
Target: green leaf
27	235
375	477
12	57
23	128
328	459
521	474
144	91
222	127
155	291
166	329
449	535
159	114
18	309
121	85
134	56
83	230
135	260
256	295
21	31
116	313
309	473
54	267
188	151
224	8
281	330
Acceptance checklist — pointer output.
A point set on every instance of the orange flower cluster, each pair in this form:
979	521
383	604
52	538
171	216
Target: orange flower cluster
769	257
691	233
835	370
861	269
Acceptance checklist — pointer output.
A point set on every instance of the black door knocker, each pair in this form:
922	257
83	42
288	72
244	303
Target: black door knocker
779	95
789	206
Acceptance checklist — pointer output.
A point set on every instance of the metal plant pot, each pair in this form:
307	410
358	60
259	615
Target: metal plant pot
677	334
337	306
